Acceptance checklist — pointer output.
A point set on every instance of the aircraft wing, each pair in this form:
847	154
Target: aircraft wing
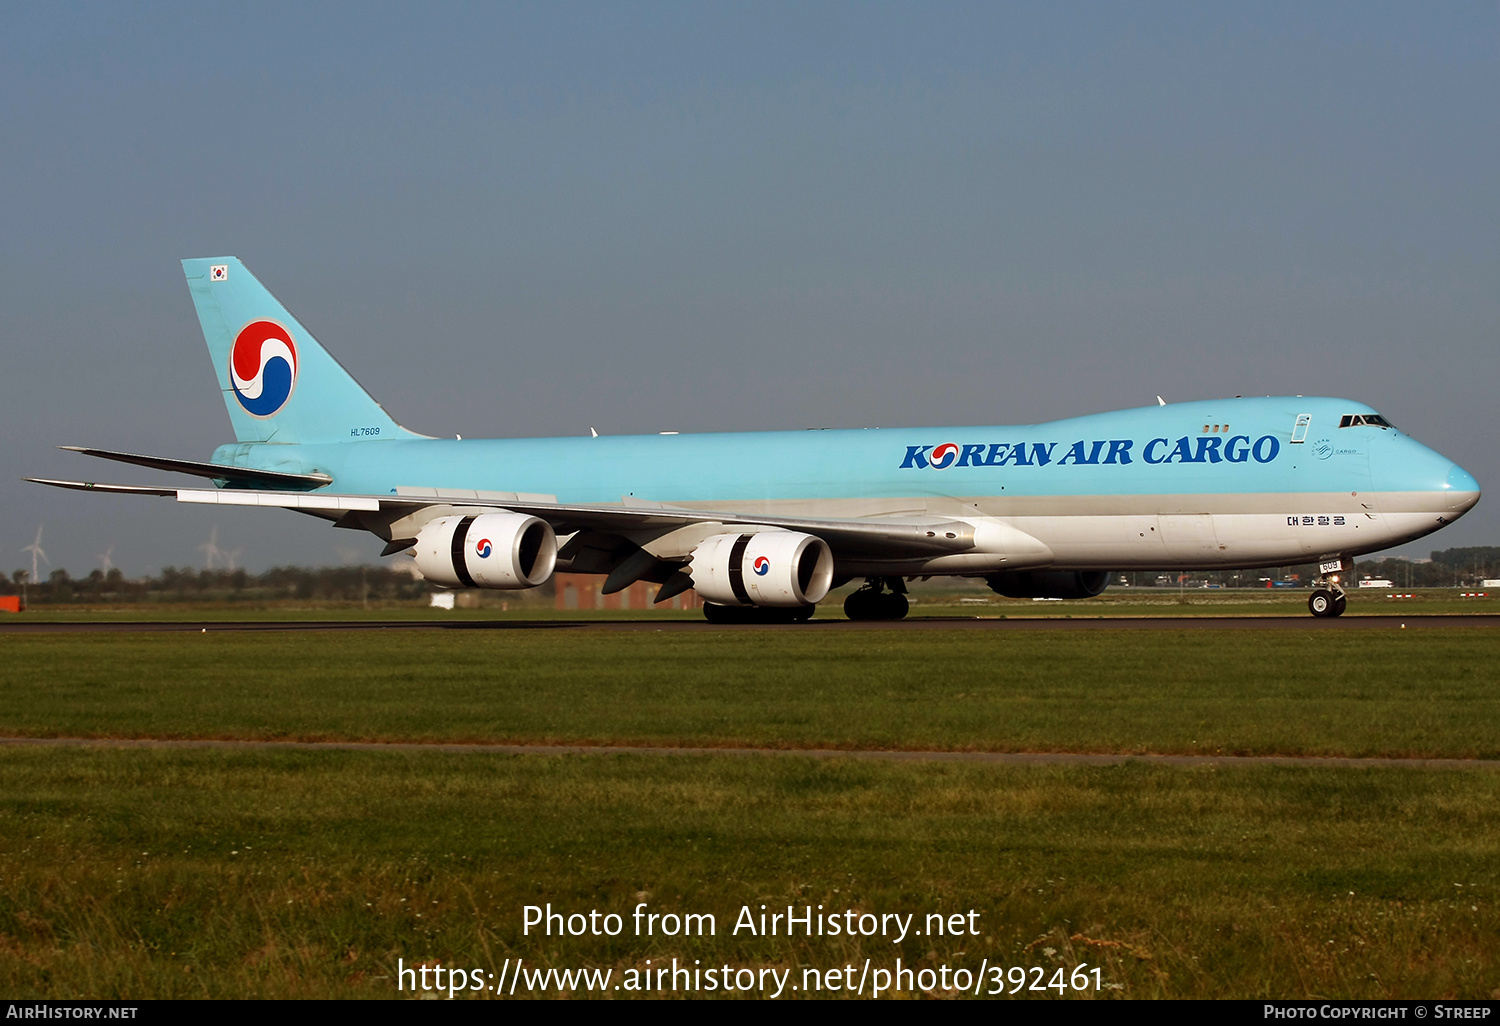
884	536
916	536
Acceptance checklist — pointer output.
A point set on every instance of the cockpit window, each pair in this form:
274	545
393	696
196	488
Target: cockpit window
1358	419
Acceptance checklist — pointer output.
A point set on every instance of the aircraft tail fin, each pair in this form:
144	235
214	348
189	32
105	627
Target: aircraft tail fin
279	383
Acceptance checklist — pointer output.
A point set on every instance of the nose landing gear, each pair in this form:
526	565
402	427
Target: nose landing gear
873	602
1327	599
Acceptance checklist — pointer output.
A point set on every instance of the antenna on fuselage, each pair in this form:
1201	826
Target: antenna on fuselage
1160	401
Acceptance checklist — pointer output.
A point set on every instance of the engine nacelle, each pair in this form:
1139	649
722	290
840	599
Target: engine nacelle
768	568
1060	584
490	550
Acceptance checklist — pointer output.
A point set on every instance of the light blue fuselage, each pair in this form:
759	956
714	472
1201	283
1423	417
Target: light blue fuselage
1226	459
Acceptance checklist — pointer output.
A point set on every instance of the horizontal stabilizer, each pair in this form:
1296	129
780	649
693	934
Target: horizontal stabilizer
242	477
90	486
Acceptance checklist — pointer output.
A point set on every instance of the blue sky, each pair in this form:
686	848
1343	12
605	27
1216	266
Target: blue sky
533	219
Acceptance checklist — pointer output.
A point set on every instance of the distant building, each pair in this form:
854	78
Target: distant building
582	591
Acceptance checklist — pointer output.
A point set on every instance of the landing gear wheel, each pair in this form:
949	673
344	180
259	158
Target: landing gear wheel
873	603
1324	602
714	613
1328	597
860	605
719	614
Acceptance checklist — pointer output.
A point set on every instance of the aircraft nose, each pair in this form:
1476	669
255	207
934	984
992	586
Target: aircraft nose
1462	489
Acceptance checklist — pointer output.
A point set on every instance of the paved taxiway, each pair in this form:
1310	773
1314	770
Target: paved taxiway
1152	623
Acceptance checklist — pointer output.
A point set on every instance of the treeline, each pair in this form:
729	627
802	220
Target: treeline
324	584
1449	568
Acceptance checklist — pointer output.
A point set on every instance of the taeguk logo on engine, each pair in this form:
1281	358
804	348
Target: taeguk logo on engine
483	548
762	566
263	367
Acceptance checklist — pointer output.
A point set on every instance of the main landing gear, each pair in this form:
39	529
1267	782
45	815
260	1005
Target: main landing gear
755	614
1328	598
873	602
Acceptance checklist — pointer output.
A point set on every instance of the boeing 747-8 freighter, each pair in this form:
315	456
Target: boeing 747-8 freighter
763	525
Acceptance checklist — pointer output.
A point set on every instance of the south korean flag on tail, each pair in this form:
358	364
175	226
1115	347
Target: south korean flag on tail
218	272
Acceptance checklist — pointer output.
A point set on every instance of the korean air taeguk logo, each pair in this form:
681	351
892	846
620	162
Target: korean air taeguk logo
263	367
762	566
943	456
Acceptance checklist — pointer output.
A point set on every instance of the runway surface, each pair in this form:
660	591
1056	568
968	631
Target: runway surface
1119	623
988	758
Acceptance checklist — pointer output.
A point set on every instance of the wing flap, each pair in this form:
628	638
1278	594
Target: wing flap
285	500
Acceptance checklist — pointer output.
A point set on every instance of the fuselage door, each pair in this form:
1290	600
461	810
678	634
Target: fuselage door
1299	429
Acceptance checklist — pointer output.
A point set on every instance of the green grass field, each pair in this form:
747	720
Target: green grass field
162	873
1362	693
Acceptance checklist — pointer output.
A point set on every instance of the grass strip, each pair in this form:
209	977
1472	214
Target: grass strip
147	874
1426	694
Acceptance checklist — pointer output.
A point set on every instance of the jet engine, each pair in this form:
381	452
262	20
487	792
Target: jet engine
488	550
768	568
1060	584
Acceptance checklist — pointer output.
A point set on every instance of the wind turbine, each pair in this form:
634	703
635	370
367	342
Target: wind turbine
35	548
211	550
